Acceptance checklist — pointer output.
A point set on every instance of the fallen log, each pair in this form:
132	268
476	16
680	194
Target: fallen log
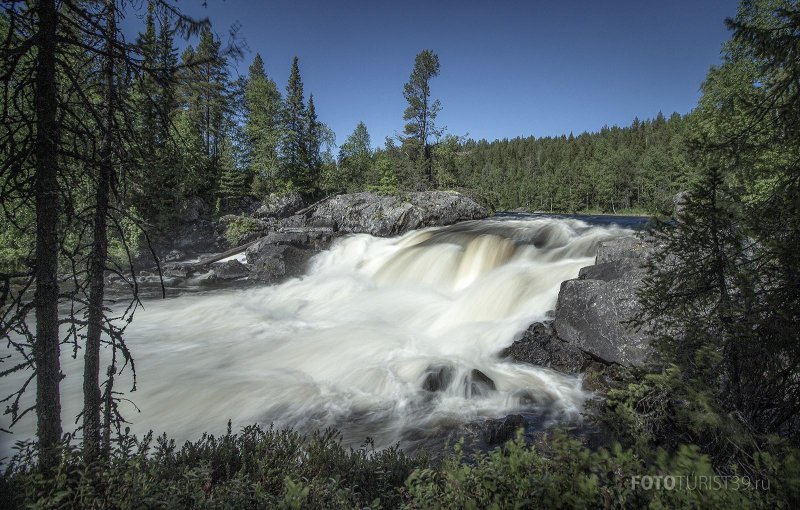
223	255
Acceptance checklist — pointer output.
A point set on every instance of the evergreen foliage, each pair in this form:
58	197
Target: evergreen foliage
636	168
293	143
723	291
262	127
420	115
355	161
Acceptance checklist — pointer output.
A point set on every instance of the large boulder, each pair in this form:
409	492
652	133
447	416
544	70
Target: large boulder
282	255
280	205
274	263
388	215
230	270
593	311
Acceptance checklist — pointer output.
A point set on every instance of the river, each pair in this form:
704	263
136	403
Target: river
355	342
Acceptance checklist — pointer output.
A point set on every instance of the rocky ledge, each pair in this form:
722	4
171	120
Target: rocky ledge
389	215
590	332
277	238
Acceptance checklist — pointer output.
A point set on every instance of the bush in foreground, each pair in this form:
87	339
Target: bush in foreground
269	468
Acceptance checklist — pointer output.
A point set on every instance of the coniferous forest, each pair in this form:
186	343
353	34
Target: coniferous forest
108	143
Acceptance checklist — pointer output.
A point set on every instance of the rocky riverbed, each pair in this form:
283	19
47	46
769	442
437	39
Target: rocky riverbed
280	235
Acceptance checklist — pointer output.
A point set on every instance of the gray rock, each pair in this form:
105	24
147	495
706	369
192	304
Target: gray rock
382	215
274	263
174	255
199	237
591	319
295	221
591	315
230	270
624	249
608	271
280	205
540	346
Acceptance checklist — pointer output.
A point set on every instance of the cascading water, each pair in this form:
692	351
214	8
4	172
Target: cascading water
396	339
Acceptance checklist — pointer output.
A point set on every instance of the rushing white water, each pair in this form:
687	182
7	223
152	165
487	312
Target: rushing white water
352	343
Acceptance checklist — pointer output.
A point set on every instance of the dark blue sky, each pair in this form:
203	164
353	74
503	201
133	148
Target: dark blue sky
507	68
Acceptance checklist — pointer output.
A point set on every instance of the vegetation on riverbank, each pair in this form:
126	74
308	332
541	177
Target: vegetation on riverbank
258	468
718	410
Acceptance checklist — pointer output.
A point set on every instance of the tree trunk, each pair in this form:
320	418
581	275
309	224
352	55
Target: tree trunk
46	344
92	400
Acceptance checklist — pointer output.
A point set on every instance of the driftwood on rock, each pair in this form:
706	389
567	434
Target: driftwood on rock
312	206
224	255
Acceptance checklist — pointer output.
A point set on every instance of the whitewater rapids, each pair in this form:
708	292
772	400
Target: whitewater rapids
352	343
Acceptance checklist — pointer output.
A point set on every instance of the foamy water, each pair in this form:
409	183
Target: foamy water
351	343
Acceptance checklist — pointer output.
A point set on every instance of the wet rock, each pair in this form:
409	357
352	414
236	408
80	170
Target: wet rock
540	346
437	378
478	384
382	215
499	431
280	205
176	270
533	400
274	263
230	270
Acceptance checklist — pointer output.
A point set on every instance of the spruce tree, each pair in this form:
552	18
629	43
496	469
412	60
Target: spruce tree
293	141
233	183
355	160
262	110
313	140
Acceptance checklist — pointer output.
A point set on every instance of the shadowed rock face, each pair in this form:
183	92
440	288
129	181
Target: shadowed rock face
592	311
383	216
590	321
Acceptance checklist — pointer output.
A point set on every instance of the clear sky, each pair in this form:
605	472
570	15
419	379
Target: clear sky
508	68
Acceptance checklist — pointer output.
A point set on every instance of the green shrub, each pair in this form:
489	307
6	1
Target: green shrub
257	468
240	227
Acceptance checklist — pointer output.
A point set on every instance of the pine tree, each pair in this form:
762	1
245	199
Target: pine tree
723	289
206	104
293	141
262	105
421	112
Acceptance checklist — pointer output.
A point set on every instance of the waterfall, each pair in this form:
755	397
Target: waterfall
396	339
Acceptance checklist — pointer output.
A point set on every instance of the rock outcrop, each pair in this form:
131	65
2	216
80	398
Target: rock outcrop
594	310
388	215
280	205
590	330
282	255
